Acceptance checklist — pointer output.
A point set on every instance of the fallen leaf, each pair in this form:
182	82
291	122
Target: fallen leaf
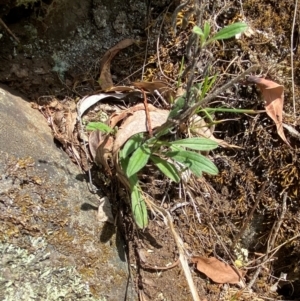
162	87
216	270
88	101
274	97
105	79
118	116
95	139
104	153
136	123
120	89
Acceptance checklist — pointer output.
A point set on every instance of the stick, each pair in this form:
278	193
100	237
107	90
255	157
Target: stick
9	31
148	118
292	57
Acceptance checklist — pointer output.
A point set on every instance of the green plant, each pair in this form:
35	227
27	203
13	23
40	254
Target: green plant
170	157
225	33
92	126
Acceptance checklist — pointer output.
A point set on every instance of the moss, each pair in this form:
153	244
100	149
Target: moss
26	3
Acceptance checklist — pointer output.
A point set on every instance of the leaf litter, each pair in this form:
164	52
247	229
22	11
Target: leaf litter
274	97
217	270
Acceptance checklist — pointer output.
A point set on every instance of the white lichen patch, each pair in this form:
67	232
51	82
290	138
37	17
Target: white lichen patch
30	276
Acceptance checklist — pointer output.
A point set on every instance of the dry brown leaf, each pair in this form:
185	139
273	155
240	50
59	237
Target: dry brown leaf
104	153
71	120
120	89
118	116
274	97
216	270
95	139
105	79
162	87
136	123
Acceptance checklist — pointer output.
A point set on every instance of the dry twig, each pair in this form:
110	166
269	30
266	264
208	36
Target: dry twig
148	118
9	31
292	56
182	256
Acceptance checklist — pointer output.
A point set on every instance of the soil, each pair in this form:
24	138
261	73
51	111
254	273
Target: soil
61	45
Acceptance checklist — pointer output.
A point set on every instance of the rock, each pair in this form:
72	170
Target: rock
51	244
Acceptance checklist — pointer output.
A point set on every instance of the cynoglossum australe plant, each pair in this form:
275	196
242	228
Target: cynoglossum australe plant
172	158
171	155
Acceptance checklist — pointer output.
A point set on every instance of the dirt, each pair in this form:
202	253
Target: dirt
59	56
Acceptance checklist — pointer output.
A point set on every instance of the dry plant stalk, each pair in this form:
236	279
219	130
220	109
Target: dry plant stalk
9	31
182	257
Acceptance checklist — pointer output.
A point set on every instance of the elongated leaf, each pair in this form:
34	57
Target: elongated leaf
206	30
92	126
138	160
202	144
230	31
139	209
166	168
131	145
197	30
208	82
195	162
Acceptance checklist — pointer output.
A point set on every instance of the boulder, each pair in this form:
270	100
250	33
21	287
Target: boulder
51	244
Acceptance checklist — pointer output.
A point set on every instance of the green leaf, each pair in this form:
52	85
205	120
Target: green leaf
124	163
202	144
138	206
131	145
195	162
92	126
230	31
207	83
166	168
177	107
206	30
138	160
197	30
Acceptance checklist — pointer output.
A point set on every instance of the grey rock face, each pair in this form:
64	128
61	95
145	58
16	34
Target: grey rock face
51	243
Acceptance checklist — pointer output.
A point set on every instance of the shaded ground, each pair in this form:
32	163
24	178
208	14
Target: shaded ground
48	65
